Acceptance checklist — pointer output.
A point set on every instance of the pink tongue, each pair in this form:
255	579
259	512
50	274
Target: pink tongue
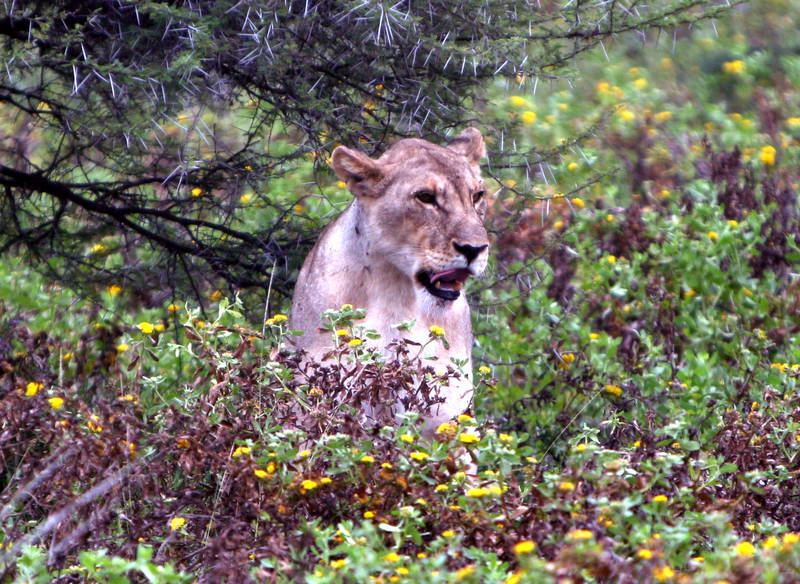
457	275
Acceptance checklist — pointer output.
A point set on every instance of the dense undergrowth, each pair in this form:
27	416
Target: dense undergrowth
637	417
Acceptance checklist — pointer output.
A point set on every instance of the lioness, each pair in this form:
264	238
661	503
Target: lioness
402	249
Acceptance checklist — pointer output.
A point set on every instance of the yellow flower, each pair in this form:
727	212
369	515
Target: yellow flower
745	549
280	318
465	418
304	454
524	547
580	535
448	428
660	499
626	114
733	67
114	290
419	456
603	87
309	485
566	486
614	390
369	514
789	539
566	359
448	533
663	116
56	402
246	198
518	101
713	235
505	437
336	564
216	295
173	308
645	554
386	465
176	523
146	327
122	347
528	117
271	467
578	202
354	342
477	492
98	248
367	458
768	155
33	388
640	83
733	223
611	259
260	473
407	438
437	331
770	542
793	122
93	423
342	333
464	572
467	438
197	191
440	487
241	450
391	556
515	577
663	573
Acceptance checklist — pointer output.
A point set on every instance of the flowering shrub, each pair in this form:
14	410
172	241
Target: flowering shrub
637	366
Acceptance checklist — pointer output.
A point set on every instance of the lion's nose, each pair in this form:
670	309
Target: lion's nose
469	251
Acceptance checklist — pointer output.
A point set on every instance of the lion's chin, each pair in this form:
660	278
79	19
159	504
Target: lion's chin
445	285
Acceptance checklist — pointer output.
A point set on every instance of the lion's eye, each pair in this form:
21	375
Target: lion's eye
478	197
426	197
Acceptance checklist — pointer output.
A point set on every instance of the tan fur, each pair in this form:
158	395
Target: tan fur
371	254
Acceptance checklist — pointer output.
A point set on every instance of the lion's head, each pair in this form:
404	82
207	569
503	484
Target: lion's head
423	206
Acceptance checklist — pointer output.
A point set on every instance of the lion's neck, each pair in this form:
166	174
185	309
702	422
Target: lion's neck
368	275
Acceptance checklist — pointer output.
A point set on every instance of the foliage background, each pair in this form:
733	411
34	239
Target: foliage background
637	418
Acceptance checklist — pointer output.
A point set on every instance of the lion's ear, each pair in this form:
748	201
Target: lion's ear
469	144
358	170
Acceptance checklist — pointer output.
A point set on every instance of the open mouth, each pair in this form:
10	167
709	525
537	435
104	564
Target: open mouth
445	285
